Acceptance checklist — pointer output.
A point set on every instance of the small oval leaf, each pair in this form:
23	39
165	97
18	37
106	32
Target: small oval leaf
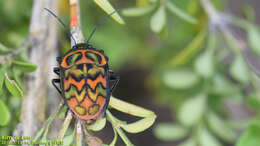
204	64
25	66
180	79
206	138
98	125
137	11
254	38
170	132
239	70
222	86
12	87
189	142
220	128
68	140
5	114
108	8
158	20
178	12
192	110
140	125
4	49
2	78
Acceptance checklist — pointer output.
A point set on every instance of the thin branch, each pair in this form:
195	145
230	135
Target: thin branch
65	125
79	136
75	22
236	44
14	53
217	20
213	15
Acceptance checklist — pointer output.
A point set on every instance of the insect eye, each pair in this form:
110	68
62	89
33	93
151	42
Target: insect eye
73	58
94	57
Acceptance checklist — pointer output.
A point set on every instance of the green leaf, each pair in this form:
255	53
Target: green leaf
239	70
25	66
4	49
222	86
253	102
158	20
129	108
249	12
140	125
204	64
138	11
170	132
114	122
5	114
254	38
68	140
113	143
251	137
188	52
12	87
206	138
98	125
180	79
108	8
189	142
2	78
192	110
153	1
178	12
220	128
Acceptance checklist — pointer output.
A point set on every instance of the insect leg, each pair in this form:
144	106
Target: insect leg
115	78
56	70
53	83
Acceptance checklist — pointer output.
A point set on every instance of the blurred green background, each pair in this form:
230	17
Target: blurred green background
203	86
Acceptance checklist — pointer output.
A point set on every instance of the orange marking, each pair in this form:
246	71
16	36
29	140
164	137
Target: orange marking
73	15
94	83
70	81
84	58
87	103
103	60
72	103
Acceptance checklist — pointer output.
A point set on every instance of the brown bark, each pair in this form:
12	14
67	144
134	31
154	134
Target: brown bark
43	40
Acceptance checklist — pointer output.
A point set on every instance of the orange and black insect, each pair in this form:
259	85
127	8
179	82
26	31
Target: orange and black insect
85	80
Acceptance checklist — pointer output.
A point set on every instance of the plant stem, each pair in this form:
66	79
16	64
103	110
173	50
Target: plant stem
116	126
216	20
75	23
79	135
213	15
65	125
14	53
48	122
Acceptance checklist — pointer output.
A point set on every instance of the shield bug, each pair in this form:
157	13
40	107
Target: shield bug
84	78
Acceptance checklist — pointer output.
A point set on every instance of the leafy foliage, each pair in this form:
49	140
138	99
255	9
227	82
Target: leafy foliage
197	69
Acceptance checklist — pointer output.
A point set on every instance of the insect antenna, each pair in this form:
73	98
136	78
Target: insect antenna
100	23
61	22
